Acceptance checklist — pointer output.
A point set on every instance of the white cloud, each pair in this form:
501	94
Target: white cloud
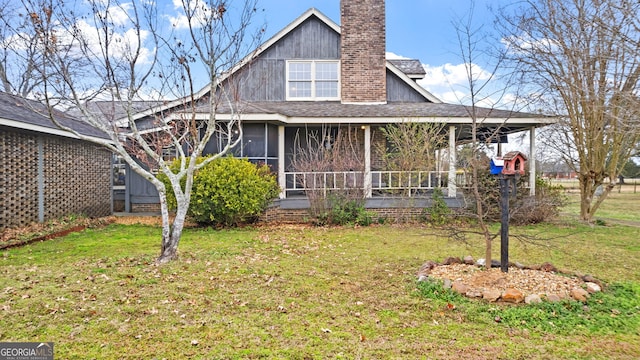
199	11
450	83
394	56
452	75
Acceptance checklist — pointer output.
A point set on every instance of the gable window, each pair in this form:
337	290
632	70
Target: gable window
313	80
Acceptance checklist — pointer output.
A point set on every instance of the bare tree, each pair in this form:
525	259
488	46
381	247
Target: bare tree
478	91
413	145
125	52
19	52
582	56
324	150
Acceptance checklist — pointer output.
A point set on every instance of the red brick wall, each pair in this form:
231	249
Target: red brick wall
18	178
76	178
148	208
363	63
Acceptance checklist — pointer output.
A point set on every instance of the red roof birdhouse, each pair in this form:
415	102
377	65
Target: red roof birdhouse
514	163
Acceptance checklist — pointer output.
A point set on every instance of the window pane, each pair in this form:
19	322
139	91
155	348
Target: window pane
299	71
326	89
253	141
272	143
299	89
326	71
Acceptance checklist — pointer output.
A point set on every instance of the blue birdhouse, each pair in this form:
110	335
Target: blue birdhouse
497	164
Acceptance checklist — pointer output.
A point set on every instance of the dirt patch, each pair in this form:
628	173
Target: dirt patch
50	230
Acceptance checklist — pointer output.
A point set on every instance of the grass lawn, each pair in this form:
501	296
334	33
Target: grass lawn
295	292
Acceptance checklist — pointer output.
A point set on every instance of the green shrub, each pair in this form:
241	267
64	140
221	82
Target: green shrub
438	211
229	191
345	211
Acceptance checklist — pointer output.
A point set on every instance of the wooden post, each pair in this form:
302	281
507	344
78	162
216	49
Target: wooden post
504	225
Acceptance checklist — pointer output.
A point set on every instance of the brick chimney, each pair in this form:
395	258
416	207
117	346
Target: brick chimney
363	58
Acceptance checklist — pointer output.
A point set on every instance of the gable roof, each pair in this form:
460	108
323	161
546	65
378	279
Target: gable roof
397	67
21	113
412	67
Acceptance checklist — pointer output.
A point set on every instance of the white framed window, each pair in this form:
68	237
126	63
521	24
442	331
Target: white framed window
313	80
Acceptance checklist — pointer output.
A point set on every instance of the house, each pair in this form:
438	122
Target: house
315	78
46	172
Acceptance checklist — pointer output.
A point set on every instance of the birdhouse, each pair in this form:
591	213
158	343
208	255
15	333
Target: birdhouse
497	164
514	163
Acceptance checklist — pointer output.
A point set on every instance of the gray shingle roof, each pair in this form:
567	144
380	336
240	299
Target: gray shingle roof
335	109
30	112
412	67
115	110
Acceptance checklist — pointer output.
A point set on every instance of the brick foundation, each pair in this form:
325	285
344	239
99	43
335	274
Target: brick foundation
390	215
148	208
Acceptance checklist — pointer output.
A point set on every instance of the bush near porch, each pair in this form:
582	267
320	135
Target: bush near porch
228	191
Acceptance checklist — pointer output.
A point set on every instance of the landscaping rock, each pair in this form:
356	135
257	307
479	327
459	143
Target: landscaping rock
422	278
473	294
446	283
452	260
459	287
554	298
513	296
593	288
589	278
548	267
426	268
491	295
533	299
495	263
481	262
519	265
579	294
469	260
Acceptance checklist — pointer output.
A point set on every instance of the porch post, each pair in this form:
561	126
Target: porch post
452	162
532	161
367	161
282	180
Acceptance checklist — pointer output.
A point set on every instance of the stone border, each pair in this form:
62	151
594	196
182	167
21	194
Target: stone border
511	295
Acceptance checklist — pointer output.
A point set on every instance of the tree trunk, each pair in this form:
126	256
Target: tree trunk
586	198
171	232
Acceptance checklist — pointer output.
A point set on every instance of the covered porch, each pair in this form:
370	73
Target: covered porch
380	183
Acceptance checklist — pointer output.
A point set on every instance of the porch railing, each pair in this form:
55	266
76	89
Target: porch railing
382	182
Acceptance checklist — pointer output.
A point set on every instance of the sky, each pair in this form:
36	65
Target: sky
416	29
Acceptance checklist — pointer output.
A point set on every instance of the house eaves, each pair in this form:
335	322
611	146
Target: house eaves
24	114
330	112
